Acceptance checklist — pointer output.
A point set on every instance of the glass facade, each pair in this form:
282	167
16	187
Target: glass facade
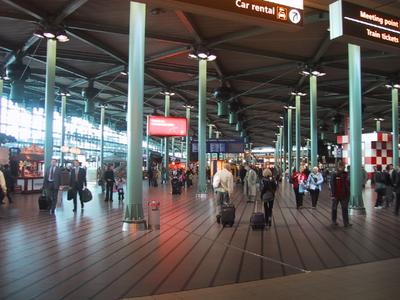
28	127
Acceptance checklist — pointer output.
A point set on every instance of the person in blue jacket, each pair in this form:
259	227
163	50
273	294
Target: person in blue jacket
314	184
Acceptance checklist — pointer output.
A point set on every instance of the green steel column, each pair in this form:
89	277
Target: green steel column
173	147
356	203
147	144
102	120
49	100
202	180
395	125
210	131
280	146
284	141
166	140
308	150
313	121
298	133
378	125
217	133
289	139
134	193
1	94
187	138
63	113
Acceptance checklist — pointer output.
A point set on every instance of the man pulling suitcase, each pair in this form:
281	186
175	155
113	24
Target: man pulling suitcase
223	187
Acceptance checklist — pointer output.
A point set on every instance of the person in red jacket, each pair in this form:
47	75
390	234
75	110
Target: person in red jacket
340	192
298	180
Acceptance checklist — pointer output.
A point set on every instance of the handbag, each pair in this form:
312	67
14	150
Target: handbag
86	195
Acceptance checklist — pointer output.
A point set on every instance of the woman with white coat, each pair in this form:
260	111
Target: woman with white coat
250	184
314	183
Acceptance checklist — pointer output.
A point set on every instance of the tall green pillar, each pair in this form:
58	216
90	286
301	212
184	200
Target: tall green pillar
313	121
102	120
147	144
395	125
202	126
188	108
133	213
308	151
284	143
280	146
166	140
210	131
217	134
49	100
356	204
298	132
1	93
289	139
63	114
378	125
173	147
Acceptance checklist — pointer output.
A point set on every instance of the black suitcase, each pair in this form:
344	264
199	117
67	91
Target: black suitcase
44	203
257	220
227	215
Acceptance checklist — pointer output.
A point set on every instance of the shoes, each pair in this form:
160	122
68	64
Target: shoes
269	223
314	207
335	224
74	210
348	225
106	200
218	219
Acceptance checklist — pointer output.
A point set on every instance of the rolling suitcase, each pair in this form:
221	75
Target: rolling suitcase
227	215
44	203
257	219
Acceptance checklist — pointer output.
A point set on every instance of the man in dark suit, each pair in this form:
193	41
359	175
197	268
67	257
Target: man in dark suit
77	182
51	183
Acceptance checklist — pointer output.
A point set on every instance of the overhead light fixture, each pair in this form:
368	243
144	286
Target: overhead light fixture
312	71
379	119
301	94
188	106
62	36
39	33
49	34
203	55
289	107
4	77
392	85
167	93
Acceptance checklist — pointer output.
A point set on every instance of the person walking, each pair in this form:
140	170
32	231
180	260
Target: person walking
9	182
340	193
51	184
77	181
223	187
3	187
396	185
314	183
380	187
268	189
250	185
299	181
389	197
110	181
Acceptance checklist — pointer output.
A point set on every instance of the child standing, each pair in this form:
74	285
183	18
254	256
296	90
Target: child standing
120	187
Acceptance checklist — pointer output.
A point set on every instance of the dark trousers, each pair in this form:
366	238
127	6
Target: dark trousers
268	206
379	197
344	203
52	195
299	197
109	191
77	191
314	197
120	194
397	207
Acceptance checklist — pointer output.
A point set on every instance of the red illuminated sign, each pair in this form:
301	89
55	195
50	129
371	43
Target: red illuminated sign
167	126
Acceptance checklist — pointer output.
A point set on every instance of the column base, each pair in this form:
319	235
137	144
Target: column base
134	226
357	211
202	195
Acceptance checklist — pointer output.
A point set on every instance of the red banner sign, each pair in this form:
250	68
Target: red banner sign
167	126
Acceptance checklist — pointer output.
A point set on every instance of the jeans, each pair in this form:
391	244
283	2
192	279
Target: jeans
299	197
314	197
344	203
268	206
76	190
109	190
379	199
222	198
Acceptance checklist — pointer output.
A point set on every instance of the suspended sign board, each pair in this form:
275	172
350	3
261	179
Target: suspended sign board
283	13
364	26
167	126
221	146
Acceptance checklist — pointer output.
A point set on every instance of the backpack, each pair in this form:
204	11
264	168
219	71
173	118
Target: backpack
268	188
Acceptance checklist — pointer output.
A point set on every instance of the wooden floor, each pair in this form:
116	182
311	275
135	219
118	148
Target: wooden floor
87	256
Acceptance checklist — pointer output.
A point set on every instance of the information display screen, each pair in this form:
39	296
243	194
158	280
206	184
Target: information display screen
167	126
220	146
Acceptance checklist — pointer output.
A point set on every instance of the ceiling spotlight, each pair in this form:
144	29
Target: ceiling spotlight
203	54
310	71
167	93
49	34
39	33
392	85
301	94
62	36
188	106
379	119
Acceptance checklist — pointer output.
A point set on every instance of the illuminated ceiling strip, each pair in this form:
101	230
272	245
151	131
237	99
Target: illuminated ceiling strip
373	25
